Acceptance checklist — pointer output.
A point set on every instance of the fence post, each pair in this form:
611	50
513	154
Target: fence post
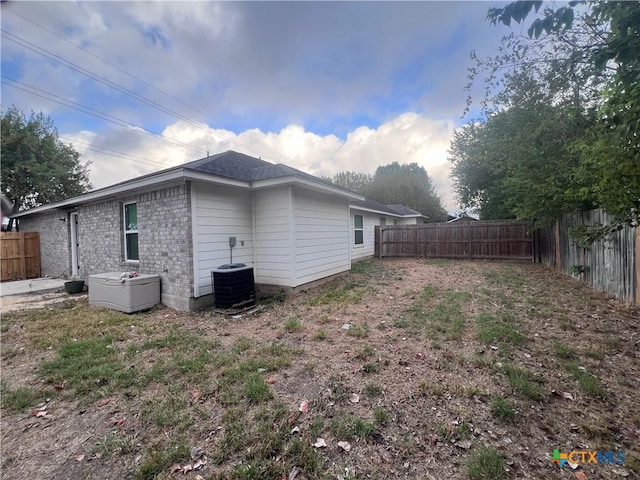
637	259
557	257
376	242
423	227
23	258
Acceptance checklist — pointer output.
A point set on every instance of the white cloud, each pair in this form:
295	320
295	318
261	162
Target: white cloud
407	138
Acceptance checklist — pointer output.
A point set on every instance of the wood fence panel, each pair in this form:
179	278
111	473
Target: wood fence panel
19	255
611	265
473	240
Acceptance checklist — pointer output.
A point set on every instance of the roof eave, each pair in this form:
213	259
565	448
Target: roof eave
306	183
164	179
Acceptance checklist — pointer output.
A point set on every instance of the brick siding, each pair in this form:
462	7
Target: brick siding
164	239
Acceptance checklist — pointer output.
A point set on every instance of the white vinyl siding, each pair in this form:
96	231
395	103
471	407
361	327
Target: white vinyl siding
408	221
273	236
220	212
369	222
322	236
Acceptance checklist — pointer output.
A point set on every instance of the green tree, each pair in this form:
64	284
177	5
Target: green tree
354	181
519	163
37	168
561	116
606	44
409	185
406	184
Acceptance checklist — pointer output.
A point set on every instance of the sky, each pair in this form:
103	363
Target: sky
324	87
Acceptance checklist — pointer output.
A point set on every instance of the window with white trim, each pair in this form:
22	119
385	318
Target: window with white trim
358	232
131	232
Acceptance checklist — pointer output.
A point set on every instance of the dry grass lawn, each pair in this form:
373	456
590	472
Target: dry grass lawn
420	369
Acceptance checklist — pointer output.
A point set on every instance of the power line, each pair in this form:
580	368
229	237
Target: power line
111	152
96	113
122	70
100	79
123	89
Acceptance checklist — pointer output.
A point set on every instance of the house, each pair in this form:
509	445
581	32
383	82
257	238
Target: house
367	213
291	227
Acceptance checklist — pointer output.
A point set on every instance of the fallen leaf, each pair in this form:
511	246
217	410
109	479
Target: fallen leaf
196	453
175	468
581	476
195	395
465	444
304	407
292	418
271	380
355	398
41	413
103	402
434	439
320	443
199	464
568	396
60	386
198	477
295	429
294	473
119	422
79	458
346	446
187	468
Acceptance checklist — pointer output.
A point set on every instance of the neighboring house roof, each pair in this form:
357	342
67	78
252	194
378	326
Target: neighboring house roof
463	218
230	168
405	211
394	210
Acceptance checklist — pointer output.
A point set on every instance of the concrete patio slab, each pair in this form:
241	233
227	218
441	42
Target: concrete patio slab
36	285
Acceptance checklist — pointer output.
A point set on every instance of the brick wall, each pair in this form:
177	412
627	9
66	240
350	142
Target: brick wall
164	240
55	255
164	236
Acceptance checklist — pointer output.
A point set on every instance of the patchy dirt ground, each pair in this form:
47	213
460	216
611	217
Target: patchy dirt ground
13	303
418	365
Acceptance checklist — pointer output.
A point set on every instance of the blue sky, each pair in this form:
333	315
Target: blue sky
321	86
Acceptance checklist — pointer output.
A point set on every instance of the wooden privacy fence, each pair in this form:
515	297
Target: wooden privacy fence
19	255
486	240
611	265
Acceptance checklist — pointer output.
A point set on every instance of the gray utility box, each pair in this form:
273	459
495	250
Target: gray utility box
132	295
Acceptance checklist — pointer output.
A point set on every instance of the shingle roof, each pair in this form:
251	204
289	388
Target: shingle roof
239	166
403	210
397	210
369	204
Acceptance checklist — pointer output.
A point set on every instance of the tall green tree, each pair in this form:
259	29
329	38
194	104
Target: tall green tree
561	115
406	184
354	181
38	168
607	42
